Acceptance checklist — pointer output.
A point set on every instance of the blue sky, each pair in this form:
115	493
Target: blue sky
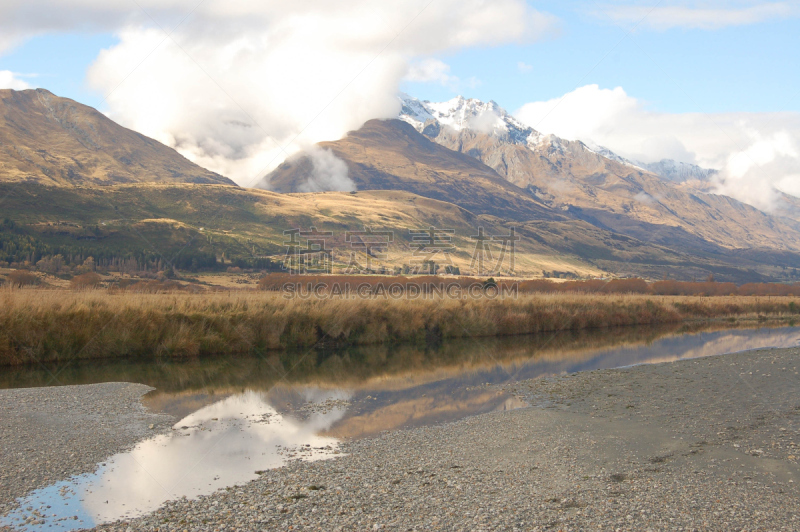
744	68
59	63
750	68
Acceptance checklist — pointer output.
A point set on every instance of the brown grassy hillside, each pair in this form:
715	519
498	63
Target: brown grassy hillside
175	222
56	141
391	155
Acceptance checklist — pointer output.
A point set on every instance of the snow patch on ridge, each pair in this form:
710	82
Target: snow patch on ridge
487	117
468	113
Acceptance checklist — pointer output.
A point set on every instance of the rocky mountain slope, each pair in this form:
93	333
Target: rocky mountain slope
678	172
597	185
56	141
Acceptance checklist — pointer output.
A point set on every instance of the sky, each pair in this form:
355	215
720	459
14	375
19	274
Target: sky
742	68
239	86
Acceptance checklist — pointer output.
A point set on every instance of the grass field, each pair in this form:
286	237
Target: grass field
51	325
136	228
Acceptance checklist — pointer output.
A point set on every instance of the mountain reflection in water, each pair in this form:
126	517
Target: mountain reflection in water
408	387
240	415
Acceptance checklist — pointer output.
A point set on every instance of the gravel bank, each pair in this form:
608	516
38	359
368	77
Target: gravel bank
50	434
708	444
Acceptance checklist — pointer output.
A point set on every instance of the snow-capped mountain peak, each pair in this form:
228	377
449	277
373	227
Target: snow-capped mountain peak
608	154
468	113
488	117
679	172
414	111
669	169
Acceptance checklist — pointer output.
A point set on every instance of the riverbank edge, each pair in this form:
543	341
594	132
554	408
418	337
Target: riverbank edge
51	434
16	354
367	447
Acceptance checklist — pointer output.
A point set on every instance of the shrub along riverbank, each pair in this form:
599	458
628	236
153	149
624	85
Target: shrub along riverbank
50	325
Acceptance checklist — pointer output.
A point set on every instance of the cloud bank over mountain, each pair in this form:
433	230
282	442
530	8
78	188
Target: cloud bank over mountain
11	80
757	154
237	87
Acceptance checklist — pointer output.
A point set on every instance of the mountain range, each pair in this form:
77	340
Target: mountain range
461	113
75	184
597	185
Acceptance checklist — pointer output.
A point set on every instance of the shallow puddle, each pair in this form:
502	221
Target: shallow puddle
220	445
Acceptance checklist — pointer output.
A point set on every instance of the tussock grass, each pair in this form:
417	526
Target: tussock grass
50	325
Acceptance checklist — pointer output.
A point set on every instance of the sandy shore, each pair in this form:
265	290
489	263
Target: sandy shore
706	444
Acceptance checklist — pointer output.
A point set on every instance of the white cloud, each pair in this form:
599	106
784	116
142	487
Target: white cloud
790	185
436	71
644	197
329	173
244	79
10	80
770	162
709	15
431	70
487	122
524	67
756	153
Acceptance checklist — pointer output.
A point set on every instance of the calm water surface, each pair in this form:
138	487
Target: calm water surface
239	416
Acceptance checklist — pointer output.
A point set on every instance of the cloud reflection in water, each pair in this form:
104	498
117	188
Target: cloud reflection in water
220	445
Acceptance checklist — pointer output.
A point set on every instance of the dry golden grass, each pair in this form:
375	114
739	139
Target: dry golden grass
46	325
